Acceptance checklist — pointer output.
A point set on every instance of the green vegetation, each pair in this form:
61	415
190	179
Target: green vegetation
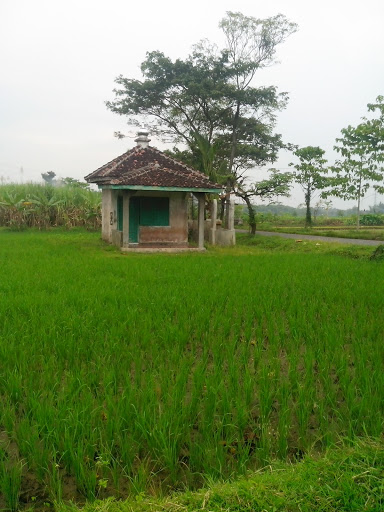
310	175
210	103
45	206
122	375
348	479
373	233
263	244
360	167
371	224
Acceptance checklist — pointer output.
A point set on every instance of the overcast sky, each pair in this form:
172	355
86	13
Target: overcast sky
58	61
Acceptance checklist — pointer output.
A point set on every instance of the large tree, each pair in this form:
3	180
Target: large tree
310	174
208	101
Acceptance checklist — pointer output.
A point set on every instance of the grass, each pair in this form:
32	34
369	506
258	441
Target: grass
364	233
263	244
345	479
131	375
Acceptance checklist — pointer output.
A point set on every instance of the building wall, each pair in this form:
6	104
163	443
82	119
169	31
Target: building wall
177	231
108	212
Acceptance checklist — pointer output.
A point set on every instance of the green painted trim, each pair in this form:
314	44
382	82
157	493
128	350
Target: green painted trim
162	189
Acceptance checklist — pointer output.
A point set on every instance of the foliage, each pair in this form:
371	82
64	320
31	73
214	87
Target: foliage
278	184
375	131
10	481
48	177
45	206
377	208
208	102
310	175
290	245
74	183
362	152
346	479
372	219
378	254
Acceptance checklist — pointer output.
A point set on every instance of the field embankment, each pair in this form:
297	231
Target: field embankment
128	375
372	233
346	479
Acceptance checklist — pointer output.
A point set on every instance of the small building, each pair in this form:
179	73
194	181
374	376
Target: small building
145	199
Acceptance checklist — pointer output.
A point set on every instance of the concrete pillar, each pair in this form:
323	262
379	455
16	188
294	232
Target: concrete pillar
125	219
226	213
201	199
231	214
213	221
107	215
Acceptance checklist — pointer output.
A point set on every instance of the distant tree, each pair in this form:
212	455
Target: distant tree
310	175
48	177
278	184
377	208
375	132
74	183
327	207
361	165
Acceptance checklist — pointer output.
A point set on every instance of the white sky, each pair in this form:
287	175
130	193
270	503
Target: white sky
58	61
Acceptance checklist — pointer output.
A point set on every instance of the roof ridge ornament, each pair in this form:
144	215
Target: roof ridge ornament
142	137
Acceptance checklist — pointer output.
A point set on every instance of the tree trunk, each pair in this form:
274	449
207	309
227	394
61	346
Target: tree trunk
308	217
230	180
222	209
252	215
358	205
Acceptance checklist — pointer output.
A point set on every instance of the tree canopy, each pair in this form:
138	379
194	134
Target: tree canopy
310	175
208	101
361	165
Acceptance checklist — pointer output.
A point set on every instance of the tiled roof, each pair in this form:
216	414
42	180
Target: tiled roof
149	167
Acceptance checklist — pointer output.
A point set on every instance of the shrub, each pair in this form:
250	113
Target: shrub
45	206
372	219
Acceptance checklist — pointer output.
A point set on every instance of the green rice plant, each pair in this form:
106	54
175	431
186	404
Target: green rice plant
55	483
85	472
31	448
10	481
141	479
112	357
266	392
284	420
8	416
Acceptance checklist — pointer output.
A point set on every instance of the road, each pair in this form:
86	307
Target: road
318	238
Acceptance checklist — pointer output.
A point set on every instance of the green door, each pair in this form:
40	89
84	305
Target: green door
134	216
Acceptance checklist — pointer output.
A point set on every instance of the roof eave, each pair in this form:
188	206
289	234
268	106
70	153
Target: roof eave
162	189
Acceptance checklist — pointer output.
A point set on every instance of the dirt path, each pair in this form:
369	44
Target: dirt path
319	238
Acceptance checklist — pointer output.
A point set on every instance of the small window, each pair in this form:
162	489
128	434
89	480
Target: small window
154	211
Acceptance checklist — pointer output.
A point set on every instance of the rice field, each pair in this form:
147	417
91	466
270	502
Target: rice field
140	374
